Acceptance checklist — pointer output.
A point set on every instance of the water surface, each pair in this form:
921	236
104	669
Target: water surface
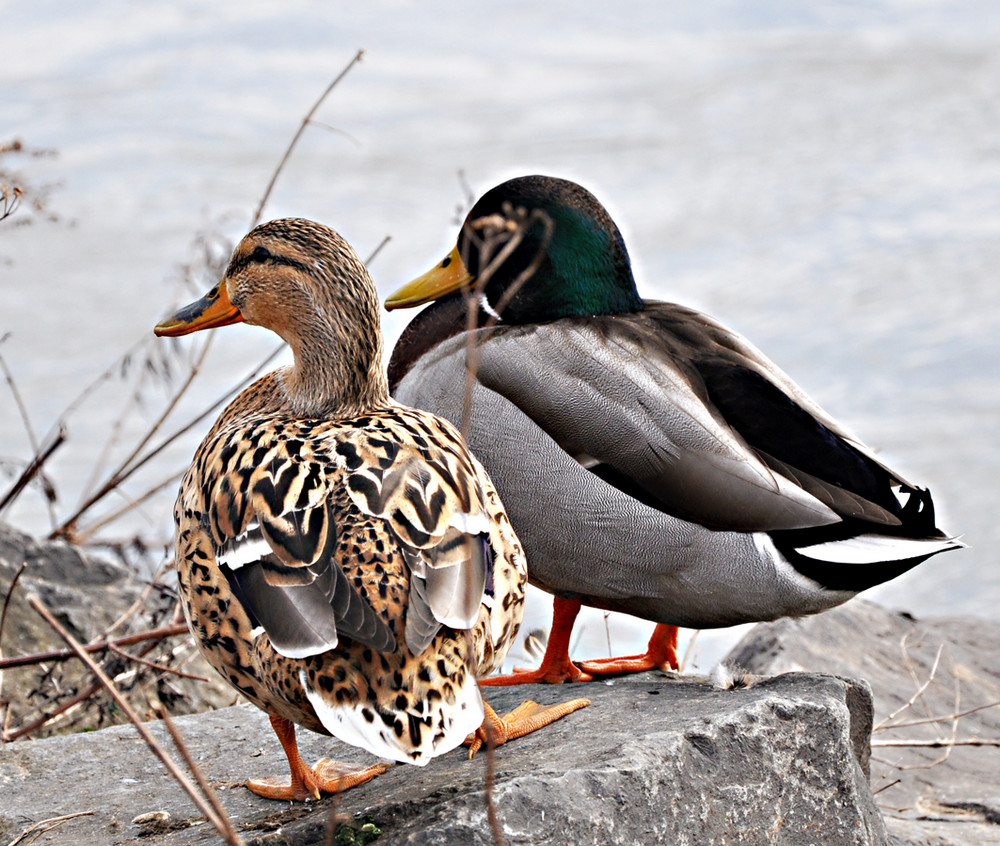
826	180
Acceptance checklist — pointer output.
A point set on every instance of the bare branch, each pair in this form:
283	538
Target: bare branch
378	249
3	614
126	468
144	732
22	410
43	826
85	533
295	139
940	743
33	469
229	834
98	646
161	668
945	719
45	719
486	234
689	650
920	689
886	786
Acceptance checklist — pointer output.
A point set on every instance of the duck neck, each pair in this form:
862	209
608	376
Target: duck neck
338	376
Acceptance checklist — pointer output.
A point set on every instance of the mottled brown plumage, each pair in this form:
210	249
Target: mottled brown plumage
344	561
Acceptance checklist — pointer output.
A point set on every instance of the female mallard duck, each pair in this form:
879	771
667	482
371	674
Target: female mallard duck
344	561
652	461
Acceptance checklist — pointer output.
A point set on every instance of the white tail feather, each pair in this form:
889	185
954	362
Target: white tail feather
873	549
350	724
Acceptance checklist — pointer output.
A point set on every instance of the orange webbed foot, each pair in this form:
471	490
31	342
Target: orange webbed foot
660	654
524	719
326	777
549	672
307	783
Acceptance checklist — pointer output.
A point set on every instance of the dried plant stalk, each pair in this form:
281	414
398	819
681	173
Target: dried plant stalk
97	646
225	829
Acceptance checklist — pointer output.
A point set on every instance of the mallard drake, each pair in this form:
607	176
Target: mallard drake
652	460
344	561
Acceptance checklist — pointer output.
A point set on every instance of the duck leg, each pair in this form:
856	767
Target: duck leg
660	654
524	719
307	783
556	666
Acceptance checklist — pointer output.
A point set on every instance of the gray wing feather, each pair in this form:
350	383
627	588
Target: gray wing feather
604	402
447	583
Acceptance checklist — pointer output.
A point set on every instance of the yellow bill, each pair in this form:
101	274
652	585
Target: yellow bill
448	276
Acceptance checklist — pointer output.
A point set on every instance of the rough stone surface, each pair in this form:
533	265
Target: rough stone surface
652	760
87	593
929	796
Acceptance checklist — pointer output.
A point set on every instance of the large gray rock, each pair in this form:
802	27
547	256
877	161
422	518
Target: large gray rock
650	761
929	796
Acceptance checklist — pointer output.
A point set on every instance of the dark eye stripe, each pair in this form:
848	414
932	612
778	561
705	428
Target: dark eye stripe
261	255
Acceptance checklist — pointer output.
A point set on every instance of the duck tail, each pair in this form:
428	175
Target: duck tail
414	733
855	555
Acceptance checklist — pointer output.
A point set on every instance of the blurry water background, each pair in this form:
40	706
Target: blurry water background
823	176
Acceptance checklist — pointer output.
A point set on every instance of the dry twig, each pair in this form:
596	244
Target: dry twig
941	743
96	646
39	828
891	722
295	139
921	688
64	708
161	668
224	828
3	622
945	719
229	834
34	467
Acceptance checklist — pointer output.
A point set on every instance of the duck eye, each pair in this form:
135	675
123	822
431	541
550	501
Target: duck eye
260	254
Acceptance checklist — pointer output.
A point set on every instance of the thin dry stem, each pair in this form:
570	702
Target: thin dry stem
136	606
117	427
491	771
920	689
3	614
229	834
945	743
940	743
950	743
510	238
945	719
89	530
689	650
298	134
97	646
28	428
46	719
886	786
486	234
203	806
19	402
153	665
34	468
378	249
136	457
39	828
126	467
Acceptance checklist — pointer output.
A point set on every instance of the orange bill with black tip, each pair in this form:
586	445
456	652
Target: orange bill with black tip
214	309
